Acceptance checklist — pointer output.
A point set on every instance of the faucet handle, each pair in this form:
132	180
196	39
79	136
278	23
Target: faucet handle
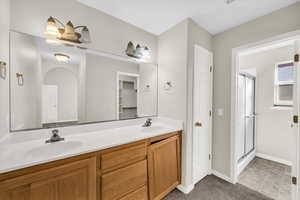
55	131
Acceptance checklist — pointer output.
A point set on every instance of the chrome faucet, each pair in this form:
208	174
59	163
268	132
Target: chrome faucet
148	123
55	137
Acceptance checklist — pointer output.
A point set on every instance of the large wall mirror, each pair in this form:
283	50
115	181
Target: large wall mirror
57	84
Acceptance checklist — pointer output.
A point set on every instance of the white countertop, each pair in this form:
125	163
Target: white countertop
25	149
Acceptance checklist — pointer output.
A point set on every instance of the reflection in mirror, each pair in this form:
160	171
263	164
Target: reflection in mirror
66	85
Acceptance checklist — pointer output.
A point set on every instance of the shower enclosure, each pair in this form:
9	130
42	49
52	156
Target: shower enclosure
246	121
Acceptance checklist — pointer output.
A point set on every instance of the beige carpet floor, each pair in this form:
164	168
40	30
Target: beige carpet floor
213	188
269	178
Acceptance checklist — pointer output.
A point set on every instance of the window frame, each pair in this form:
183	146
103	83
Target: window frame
277	84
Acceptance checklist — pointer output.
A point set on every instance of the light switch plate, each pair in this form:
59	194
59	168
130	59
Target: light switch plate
220	112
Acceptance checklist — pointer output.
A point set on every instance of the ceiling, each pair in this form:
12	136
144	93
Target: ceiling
157	16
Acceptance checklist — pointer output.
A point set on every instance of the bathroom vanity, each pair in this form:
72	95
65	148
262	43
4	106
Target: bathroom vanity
117	159
149	167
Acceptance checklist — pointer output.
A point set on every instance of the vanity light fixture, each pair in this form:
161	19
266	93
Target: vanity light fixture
56	29
62	57
3	70
138	52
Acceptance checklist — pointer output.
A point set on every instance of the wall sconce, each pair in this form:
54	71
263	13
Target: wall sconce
3	70
20	79
138	51
56	29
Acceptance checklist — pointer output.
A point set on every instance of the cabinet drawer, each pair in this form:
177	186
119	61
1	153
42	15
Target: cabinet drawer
122	157
140	194
119	183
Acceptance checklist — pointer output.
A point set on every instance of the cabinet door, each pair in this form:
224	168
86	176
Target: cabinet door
164	167
75	181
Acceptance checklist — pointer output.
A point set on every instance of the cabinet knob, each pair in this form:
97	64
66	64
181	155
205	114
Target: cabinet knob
198	124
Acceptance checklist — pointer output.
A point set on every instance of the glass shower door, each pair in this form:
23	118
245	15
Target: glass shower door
246	103
249	114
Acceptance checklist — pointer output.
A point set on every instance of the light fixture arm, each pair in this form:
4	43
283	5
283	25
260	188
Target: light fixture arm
62	24
77	27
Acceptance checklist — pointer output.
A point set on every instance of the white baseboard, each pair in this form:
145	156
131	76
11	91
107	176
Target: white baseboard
186	189
221	176
279	160
245	162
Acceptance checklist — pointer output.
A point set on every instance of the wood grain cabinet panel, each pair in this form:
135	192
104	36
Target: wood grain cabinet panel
122	157
119	183
140	194
164	167
75	181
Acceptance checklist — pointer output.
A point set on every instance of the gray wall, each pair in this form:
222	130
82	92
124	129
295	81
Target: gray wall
274	136
4	56
276	23
172	62
176	61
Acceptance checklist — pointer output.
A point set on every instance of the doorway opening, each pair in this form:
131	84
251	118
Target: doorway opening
264	100
127	95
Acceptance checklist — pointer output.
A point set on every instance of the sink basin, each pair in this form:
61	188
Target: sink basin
152	128
53	149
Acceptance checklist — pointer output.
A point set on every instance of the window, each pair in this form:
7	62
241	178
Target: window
284	84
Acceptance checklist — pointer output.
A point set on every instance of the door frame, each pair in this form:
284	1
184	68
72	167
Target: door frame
211	105
137	76
234	94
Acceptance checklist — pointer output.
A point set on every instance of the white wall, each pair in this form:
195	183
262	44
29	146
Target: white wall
275	137
176	61
101	85
276	23
4	56
25	59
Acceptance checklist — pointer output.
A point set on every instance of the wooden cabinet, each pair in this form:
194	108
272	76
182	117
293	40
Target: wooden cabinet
147	169
74	181
140	194
119	183
163	167
117	157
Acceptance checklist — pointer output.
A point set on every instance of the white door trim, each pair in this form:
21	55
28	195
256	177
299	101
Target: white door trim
234	108
296	111
210	122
